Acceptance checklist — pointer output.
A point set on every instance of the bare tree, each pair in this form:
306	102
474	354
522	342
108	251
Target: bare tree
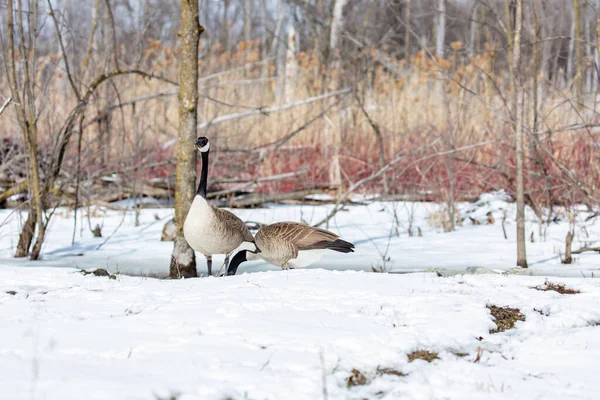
518	99
578	61
596	70
23	93
440	36
474	29
183	260
225	26
407	32
247	20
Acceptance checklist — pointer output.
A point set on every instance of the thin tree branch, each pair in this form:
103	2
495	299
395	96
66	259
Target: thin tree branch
6	103
269	110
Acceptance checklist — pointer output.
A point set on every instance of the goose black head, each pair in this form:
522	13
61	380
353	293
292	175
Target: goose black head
202	144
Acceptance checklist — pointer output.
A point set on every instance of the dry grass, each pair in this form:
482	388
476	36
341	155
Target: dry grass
356	379
99	272
460	354
390	371
422	355
505	318
557	287
411	110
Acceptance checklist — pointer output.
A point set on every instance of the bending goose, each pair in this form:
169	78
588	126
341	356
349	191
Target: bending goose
290	245
210	230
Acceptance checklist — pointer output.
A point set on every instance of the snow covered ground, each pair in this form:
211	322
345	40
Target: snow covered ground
372	228
293	335
299	334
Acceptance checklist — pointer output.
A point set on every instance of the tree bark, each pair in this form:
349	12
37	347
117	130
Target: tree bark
518	98
333	62
291	66
441	29
225	27
27	117
568	245
571	54
247	20
597	55
536	68
588	51
183	260
407	32
336	23
578	61
473	30
26	236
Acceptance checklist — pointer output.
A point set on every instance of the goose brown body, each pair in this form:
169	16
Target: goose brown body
291	245
281	242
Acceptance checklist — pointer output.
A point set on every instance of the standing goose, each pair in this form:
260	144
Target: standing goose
290	245
210	230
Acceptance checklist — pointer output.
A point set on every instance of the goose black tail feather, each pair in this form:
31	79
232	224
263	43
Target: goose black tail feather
340	245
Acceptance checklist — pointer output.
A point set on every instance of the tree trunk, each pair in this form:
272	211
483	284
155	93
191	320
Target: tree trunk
407	32
183	260
276	51
225	27
578	80
597	55
291	66
26	236
588	52
440	36
571	55
473	30
247	20
27	118
568	252
336	23
334	59
518	98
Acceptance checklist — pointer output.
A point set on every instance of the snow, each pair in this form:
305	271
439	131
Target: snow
280	335
138	250
298	334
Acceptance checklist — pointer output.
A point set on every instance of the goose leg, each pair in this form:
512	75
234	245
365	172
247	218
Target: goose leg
209	265
225	265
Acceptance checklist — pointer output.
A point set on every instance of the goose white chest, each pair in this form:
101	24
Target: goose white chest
198	227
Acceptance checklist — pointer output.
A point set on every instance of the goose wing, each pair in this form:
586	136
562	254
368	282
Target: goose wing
300	236
233	225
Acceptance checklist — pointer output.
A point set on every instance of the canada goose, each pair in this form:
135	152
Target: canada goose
290	245
210	230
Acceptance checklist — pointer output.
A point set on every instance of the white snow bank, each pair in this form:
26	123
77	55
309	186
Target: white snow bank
379	231
292	335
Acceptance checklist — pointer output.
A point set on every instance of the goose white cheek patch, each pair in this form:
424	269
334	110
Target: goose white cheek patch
204	149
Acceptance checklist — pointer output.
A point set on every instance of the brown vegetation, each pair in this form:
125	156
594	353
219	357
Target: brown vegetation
557	287
505	317
380	109
422	355
357	378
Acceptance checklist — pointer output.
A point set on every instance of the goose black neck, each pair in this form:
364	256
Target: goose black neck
203	175
235	262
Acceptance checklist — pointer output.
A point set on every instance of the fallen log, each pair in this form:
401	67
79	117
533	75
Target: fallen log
256	199
18	189
584	249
